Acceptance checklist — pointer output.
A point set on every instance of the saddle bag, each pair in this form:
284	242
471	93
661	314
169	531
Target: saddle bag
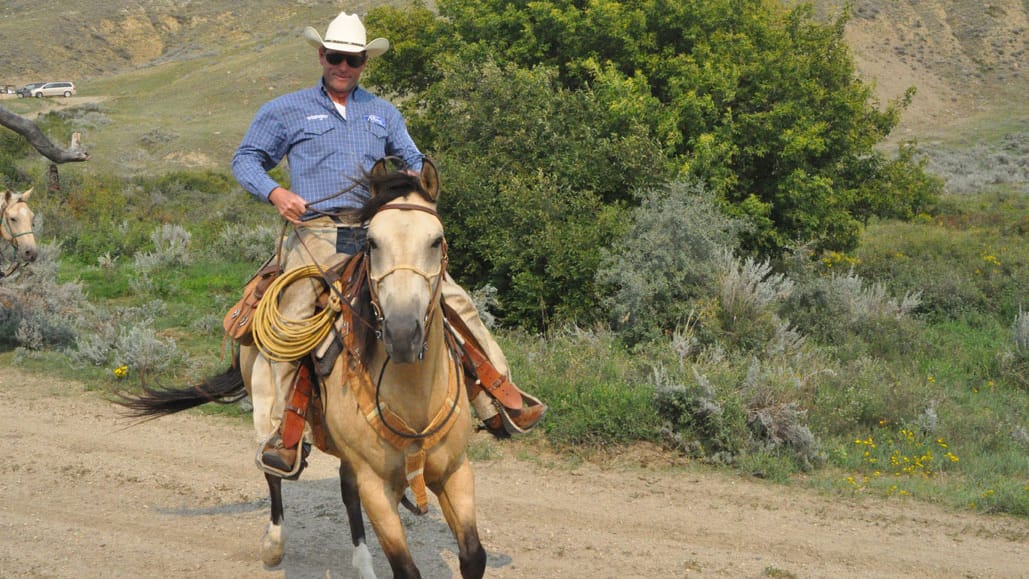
238	322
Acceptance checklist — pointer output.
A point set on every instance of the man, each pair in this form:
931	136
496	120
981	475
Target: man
332	134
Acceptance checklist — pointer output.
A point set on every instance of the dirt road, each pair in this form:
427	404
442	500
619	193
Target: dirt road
179	497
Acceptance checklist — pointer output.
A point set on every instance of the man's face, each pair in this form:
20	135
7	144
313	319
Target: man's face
342	77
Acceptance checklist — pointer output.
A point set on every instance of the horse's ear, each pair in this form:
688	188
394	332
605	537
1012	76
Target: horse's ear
26	194
380	168
430	179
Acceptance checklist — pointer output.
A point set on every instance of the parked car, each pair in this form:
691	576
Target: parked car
54	89
26	91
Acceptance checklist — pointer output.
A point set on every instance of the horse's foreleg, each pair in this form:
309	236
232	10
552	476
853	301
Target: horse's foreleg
362	559
457	501
273	544
381	505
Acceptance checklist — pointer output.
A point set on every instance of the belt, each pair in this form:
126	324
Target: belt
331	221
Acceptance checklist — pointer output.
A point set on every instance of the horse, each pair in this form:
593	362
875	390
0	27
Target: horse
393	408
16	227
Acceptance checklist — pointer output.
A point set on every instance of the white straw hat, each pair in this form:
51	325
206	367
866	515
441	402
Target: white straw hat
346	34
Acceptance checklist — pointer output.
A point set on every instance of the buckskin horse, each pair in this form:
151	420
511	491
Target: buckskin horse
393	408
16	228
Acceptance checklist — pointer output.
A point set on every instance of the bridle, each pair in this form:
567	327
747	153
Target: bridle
434	305
436	286
5	223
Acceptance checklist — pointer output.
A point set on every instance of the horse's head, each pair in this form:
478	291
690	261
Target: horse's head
16	224
406	256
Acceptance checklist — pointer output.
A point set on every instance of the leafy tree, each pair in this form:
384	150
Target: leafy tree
534	187
758	102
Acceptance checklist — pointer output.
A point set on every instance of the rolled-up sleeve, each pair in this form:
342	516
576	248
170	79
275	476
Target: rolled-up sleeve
401	144
263	146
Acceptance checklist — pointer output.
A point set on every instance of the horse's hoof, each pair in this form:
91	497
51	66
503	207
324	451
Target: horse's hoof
272	546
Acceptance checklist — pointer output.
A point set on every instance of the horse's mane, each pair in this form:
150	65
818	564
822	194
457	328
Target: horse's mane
388	187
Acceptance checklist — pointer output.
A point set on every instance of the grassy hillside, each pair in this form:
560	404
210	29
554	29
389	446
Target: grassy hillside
167	85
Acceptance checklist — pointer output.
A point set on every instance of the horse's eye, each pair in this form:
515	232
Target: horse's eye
438	242
371	244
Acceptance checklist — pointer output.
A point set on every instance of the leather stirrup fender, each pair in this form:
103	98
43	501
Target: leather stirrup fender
493	382
295	416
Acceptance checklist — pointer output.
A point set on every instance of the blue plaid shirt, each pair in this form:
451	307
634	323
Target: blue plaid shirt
326	153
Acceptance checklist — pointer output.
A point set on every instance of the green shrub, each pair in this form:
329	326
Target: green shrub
857	318
966	262
699	419
1014	362
43	314
860	393
668	263
533	188
13	148
590	384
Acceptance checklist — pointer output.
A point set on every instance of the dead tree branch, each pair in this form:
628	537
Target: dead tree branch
41	142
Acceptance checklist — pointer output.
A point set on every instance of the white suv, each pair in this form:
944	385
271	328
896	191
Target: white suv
54	89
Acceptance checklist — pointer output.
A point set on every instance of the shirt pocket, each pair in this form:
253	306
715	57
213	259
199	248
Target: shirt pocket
376	130
313	130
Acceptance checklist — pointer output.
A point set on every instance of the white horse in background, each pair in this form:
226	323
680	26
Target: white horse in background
16	227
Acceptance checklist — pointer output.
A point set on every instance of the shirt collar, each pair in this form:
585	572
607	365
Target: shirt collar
325	93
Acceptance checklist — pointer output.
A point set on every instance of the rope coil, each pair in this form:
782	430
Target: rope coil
283	339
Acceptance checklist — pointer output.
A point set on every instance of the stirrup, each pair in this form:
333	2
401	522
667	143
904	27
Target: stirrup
298	465
509	424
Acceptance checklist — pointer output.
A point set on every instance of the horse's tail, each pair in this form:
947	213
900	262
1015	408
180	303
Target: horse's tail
225	388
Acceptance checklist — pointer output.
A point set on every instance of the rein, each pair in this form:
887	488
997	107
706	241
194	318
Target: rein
439	422
389	425
436	288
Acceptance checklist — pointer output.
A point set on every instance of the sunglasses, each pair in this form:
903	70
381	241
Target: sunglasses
353	60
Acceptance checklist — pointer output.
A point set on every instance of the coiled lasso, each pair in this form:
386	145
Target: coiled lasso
282	339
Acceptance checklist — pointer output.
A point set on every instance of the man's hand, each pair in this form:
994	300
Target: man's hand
289	204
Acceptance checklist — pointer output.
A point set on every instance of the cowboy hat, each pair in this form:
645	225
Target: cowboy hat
346	34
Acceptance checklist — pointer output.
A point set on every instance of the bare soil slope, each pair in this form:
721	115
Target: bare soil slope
82	496
962	57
